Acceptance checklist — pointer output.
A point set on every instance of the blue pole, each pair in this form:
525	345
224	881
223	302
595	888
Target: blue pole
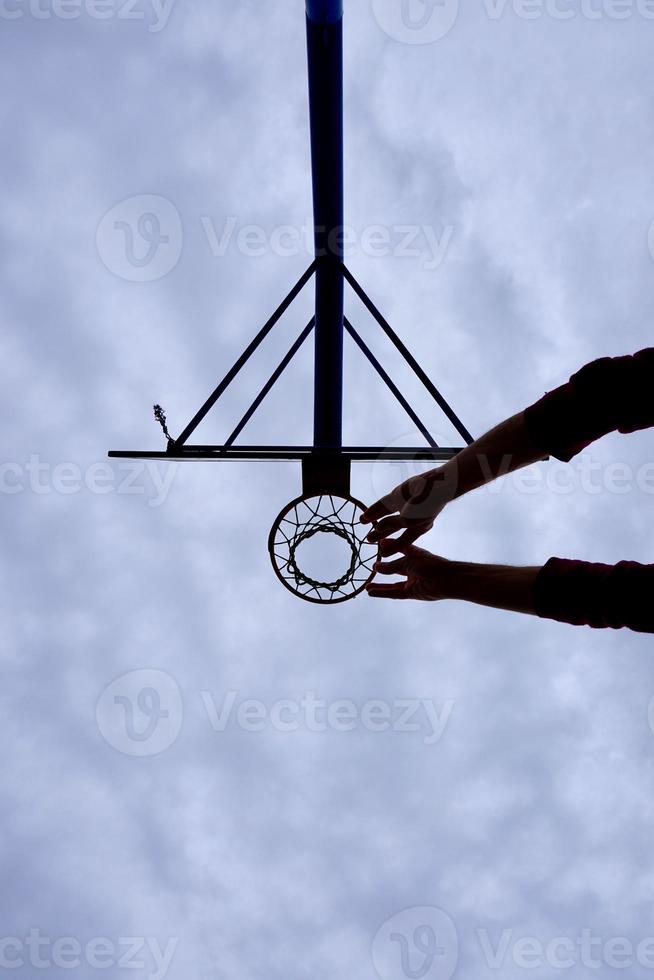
325	64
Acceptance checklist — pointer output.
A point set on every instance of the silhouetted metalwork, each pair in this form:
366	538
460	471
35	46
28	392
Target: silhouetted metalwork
408	356
356	453
279	370
179	449
390	384
326	462
325	70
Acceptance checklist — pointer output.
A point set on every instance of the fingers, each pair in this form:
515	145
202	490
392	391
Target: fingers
394	590
374	512
412	534
389	525
398	567
380	509
386	526
415	493
391	546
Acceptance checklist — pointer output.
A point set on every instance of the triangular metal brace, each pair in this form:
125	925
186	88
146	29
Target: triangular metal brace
179	449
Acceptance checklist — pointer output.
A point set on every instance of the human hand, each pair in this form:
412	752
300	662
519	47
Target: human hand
428	577
413	505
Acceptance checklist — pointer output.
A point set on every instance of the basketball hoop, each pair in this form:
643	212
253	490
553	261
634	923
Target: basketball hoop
326	511
303	520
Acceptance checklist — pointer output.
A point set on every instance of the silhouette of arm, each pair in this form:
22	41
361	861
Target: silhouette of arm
414	504
612	393
592	594
575	592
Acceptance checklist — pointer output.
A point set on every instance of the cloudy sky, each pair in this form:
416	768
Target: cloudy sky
207	778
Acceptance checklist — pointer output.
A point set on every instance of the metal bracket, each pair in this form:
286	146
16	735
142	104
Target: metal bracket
179	449
326	474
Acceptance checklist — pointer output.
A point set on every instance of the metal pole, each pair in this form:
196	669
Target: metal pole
325	65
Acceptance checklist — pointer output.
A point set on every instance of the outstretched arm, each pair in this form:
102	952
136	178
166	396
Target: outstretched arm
608	394
430	577
575	592
414	505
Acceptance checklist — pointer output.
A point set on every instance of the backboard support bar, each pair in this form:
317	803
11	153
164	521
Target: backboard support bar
324	23
179	449
356	453
324	33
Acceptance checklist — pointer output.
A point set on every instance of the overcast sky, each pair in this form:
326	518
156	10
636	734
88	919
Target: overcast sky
207	778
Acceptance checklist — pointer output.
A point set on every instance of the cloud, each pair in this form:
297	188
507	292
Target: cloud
281	854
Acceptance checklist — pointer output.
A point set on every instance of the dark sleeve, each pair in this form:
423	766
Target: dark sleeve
612	393
588	594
